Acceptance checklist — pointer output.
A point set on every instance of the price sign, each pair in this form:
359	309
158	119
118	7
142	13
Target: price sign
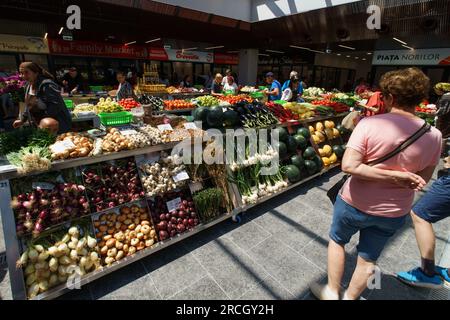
180	176
128	132
173	205
62	146
190	125
165	127
43	185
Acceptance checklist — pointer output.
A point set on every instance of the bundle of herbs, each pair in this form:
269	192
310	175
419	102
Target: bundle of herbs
25	137
208	203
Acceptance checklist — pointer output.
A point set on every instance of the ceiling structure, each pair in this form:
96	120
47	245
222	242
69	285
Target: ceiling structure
421	23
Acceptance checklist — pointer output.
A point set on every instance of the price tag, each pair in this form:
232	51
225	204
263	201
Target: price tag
180	176
165	127
43	185
62	146
128	132
190	125
173	204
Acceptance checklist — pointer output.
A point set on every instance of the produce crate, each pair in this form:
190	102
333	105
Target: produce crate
69	103
96	88
115	118
257	95
282	102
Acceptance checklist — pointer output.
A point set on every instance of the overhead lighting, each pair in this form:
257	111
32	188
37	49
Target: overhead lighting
348	56
304	48
216	47
61	30
297	47
369	53
346	47
46	35
364	59
263	54
274	51
154	40
356	58
189	49
338	54
130	43
407	47
398	40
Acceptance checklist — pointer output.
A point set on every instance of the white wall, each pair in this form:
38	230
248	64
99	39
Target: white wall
236	9
255	10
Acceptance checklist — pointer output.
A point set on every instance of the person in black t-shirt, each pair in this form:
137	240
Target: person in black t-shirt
72	81
217	87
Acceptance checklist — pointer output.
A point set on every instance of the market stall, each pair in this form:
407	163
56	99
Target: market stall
83	204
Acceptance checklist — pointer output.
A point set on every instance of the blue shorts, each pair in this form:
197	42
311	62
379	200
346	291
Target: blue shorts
374	232
435	204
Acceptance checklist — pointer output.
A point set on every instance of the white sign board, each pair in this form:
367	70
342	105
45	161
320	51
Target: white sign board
12	43
418	57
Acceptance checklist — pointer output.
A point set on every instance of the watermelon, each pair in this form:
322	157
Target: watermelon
311	167
319	163
309	153
298	161
282	133
200	114
339	151
215	117
291	144
292	173
282	149
230	118
304	132
302	143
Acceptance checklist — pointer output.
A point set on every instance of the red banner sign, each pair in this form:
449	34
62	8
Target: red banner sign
226	58
97	49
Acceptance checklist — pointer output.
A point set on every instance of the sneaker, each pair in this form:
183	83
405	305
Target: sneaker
323	292
417	278
443	273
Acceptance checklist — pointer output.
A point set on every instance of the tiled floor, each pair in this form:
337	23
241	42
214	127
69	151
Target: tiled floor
273	254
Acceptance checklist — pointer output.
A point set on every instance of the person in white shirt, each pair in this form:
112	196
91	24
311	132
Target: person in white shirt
230	86
225	79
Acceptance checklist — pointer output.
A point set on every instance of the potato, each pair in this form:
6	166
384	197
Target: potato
111	242
104	250
107	237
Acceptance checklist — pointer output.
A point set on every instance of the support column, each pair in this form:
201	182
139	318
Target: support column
248	66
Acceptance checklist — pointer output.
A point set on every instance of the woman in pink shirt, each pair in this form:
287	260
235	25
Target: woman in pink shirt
376	199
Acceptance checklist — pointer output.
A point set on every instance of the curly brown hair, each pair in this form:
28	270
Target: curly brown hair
409	87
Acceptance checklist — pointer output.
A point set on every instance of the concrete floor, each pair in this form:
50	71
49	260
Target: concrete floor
274	253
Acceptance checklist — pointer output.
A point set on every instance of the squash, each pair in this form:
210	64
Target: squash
329	124
319	126
326	161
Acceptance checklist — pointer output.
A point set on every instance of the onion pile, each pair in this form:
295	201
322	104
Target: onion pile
169	224
123	234
158	177
153	133
82	146
109	185
71	257
40	208
114	141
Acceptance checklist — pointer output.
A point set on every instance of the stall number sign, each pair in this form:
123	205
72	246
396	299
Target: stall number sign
420	57
173	205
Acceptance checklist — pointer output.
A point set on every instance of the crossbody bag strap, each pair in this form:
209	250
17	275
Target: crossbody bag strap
416	136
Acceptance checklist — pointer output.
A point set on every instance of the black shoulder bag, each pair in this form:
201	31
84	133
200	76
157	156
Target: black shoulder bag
334	190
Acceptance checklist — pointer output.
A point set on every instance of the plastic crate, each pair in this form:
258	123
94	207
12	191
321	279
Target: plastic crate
115	118
96	88
282	102
69	103
257	95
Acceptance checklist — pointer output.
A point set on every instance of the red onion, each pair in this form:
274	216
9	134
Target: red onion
162	225
163	235
173	233
181	228
162	217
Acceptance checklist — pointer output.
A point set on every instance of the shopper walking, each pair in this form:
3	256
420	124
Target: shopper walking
43	100
376	199
274	93
433	207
